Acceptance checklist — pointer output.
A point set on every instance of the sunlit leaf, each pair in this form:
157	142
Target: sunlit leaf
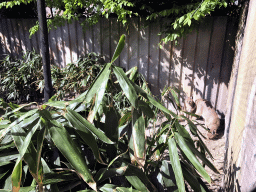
139	137
83	123
175	162
190	155
69	149
126	86
16	176
102	78
119	48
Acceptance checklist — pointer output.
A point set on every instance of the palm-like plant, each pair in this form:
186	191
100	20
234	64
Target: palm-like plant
98	142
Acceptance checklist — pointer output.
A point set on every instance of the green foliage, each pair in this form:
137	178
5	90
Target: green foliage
76	77
98	141
22	79
18	77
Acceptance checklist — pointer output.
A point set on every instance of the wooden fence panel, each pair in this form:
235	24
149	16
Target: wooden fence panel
201	58
143	42
189	48
196	65
153	68
106	39
215	57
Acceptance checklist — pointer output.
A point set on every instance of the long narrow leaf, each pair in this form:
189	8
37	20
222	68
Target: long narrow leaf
86	135
69	149
175	162
6	130
39	170
153	101
86	124
192	179
16	177
126	86
102	78
138	179
27	140
138	134
119	48
190	155
30	155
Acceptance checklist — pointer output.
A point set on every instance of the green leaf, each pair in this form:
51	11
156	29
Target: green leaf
119	48
57	104
83	123
20	119
102	78
138	179
153	101
175	162
166	174
29	156
126	86
190	155
192	179
146	109
16	176
86	135
27	140
108	188
106	173
39	169
69	149
138	135
57	177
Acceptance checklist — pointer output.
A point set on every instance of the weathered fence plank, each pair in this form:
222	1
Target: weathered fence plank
201	58
215	57
188	64
143	42
153	69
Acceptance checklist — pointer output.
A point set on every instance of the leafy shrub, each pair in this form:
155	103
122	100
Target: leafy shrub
75	77
22	79
18	77
97	141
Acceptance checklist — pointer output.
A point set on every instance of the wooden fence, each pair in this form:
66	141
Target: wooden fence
199	64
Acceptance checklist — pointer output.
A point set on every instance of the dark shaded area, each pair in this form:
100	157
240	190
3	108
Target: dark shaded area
19	11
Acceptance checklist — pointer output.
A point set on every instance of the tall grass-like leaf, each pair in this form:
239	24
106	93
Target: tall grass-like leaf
106	173
20	119
30	154
69	149
138	179
119	48
186	136
138	134
175	162
193	180
102	78
27	140
16	177
153	101
100	95
86	124
86	135
126	86
190	155
39	169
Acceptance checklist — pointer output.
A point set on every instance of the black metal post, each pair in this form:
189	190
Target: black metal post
44	47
